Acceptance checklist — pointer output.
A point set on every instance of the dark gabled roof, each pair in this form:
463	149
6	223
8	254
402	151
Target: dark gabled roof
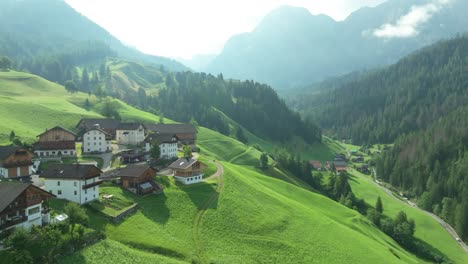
71	171
6	151
172	128
107	135
134	171
57	145
338	163
129	126
9	191
160	138
183	163
57	128
104	123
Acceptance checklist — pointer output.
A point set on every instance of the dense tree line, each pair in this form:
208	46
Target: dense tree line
379	106
431	166
207	99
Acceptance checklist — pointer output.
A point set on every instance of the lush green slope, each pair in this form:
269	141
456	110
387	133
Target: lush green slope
427	228
30	104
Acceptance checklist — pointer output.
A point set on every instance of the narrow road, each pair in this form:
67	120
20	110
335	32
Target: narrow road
446	226
197	221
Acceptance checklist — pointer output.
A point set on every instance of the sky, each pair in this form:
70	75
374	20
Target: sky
184	28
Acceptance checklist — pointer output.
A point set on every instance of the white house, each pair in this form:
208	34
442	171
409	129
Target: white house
96	140
130	134
187	170
75	182
167	144
23	205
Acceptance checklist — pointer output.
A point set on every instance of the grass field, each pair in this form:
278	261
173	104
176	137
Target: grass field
254	219
427	228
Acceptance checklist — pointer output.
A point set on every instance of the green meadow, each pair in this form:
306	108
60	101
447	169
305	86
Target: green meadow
246	216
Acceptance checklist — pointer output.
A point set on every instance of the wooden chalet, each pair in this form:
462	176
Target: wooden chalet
15	162
139	179
317	165
23	205
56	141
339	165
187	170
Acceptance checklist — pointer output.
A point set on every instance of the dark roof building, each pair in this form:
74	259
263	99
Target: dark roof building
15	161
21	205
71	171
161	138
107	124
315	164
129	126
139	179
186	133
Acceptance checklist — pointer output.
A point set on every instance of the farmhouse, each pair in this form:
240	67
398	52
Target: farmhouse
187	170
54	142
96	140
130	134
339	165
167	144
316	164
15	162
186	133
139	179
75	182
107	124
23	205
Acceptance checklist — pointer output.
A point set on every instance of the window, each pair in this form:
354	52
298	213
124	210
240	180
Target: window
94	188
99	138
51	192
75	184
34	210
59	192
58	183
94	138
86	191
65	152
76	193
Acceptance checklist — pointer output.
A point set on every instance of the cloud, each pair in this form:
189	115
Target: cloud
407	25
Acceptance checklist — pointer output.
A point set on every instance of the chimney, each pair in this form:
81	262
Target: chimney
97	126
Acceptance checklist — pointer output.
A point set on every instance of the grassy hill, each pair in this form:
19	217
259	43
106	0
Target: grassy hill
249	217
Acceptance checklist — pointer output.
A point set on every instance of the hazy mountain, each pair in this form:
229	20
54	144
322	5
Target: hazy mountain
198	62
291	47
32	27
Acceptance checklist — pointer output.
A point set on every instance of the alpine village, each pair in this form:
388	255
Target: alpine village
312	138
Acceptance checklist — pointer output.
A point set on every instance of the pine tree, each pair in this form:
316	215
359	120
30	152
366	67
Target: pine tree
379	205
12	136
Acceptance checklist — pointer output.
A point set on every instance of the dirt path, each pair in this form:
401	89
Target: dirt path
446	226
198	220
240	155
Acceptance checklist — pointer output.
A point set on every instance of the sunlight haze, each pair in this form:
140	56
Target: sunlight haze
182	29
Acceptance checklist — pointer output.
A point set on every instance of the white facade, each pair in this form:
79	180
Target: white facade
34	217
189	180
95	141
72	189
168	150
130	137
55	153
4	171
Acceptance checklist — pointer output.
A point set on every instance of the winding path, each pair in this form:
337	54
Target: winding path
197	221
446	226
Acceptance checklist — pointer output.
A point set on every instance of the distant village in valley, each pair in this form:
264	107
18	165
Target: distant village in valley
71	165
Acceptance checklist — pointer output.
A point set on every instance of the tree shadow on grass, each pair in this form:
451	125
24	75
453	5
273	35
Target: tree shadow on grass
203	195
153	206
353	178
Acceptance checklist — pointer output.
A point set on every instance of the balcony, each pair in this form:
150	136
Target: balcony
90	185
14	221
